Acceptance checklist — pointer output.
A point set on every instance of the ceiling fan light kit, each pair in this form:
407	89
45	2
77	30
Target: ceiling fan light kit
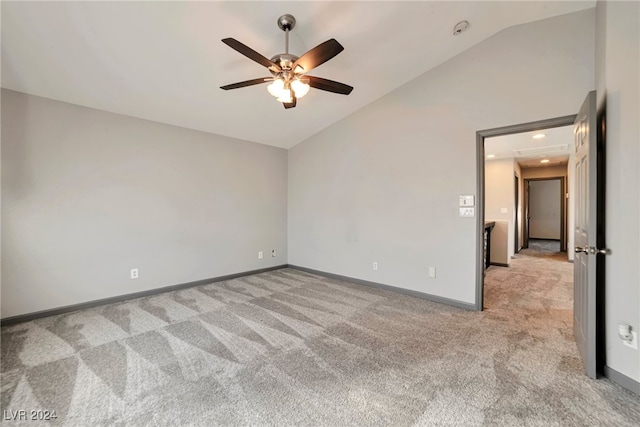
289	82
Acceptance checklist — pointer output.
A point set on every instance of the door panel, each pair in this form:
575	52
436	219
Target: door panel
545	209
584	300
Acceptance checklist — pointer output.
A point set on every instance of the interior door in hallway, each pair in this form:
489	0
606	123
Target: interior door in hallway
545	209
586	217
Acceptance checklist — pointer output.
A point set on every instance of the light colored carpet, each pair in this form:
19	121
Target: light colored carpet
544	245
289	348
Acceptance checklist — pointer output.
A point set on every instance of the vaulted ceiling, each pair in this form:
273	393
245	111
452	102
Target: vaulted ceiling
164	61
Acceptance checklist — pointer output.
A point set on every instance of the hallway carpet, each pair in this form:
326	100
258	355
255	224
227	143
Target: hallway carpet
544	245
289	348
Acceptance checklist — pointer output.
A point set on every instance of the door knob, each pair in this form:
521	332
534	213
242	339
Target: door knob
592	250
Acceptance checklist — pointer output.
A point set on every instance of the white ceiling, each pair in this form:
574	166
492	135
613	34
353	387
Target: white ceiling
556	146
164	61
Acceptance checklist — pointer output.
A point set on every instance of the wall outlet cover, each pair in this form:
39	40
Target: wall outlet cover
467	212
634	341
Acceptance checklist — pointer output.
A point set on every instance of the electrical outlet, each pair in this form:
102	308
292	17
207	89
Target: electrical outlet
260	255
273	253
375	266
432	271
134	273
467	212
634	341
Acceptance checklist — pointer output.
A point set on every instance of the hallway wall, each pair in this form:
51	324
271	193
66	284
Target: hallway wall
499	205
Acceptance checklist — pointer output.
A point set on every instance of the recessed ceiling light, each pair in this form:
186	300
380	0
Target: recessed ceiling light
544	161
490	156
539	136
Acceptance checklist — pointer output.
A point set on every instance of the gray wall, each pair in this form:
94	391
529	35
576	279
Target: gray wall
544	209
499	194
88	195
383	184
617	71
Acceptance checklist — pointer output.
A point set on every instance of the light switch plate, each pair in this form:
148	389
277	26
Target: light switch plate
504	210
467	200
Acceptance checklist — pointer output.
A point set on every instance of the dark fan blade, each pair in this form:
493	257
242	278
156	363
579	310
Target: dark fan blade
251	54
246	83
291	104
318	55
329	85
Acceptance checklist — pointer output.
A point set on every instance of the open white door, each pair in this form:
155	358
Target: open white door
586	216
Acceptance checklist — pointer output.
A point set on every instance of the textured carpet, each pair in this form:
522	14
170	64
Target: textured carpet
544	245
290	348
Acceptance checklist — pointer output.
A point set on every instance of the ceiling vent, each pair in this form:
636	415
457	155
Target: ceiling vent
546	150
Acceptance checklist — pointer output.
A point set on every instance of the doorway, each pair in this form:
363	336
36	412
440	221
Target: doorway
513	163
587	175
480	189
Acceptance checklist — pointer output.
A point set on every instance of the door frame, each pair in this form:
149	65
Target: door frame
563	211
516	222
525	209
480	159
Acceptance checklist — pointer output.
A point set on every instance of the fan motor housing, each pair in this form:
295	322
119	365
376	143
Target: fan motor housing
284	60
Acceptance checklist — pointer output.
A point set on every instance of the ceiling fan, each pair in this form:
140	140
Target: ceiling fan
289	81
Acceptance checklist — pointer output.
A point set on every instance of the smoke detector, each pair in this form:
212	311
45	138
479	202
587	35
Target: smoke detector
460	27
